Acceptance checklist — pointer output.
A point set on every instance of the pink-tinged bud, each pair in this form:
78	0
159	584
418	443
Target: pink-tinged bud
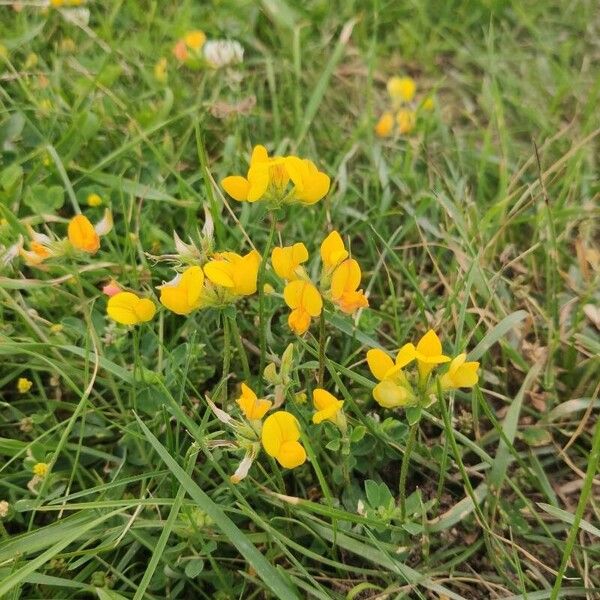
111	288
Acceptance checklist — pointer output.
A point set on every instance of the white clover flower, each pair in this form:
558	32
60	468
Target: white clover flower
223	53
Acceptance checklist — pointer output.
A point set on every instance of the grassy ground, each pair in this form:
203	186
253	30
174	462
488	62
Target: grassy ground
482	223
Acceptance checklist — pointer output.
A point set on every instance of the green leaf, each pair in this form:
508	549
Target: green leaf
358	433
498	332
11	176
569	518
536	436
413	414
194	567
44	200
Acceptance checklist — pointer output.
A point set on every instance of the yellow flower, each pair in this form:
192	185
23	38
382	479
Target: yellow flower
93	200
84	236
333	251
428	104
286	260
385	124
41	469
129	309
305	301
344	283
460	373
401	89
160	70
237	274
195	39
251	406
310	184
183	294
406	119
265	174
326	405
429	353
279	436
392	391
24	385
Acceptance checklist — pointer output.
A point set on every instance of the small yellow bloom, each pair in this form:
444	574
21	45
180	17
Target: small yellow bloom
56	327
84	236
305	301
252	407
326	405
392	390
194	39
286	260
333	251
129	309
237	274
384	126
160	70
41	469
344	283
24	385
401	89
93	200
310	184
429	353
460	373
406	120
183	294
428	104
279	436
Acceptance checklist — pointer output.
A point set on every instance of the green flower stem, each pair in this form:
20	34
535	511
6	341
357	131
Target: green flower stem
240	347
261	305
226	354
412	436
321	348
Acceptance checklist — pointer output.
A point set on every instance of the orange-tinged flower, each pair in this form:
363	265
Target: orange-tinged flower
252	407
183	294
384	126
310	184
82	235
401	89
237	274
111	289
333	251
180	51
327	406
460	373
127	308
279	436
305	301
286	260
344	283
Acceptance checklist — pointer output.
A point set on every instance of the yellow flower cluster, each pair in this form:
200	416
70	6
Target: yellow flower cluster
396	389
339	282
401	117
278	180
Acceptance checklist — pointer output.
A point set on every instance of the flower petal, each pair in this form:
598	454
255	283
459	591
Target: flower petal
379	363
237	187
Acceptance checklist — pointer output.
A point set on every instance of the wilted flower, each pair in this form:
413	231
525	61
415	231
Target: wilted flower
129	309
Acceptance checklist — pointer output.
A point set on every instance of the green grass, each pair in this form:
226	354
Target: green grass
483	224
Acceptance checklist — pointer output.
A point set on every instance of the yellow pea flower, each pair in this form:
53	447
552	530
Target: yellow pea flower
194	39
252	407
264	175
127	308
333	251
310	184
406	120
429	353
286	260
86	237
327	406
401	89
393	389
279	437
344	283
93	200
237	274
460	373
41	469
384	126
183	294
305	301
23	385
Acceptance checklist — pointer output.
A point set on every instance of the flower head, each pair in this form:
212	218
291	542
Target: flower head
183	294
344	283
401	89
305	301
236	274
127	308
393	389
429	353
223	53
180	51
23	385
41	469
333	251
406	119
460	373
279	436
112	288
160	70
252	407
286	260
310	184
327	406
194	39
86	237
93	200
384	126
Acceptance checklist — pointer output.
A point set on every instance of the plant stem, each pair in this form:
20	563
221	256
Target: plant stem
412	436
226	354
261	304
321	348
240	347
